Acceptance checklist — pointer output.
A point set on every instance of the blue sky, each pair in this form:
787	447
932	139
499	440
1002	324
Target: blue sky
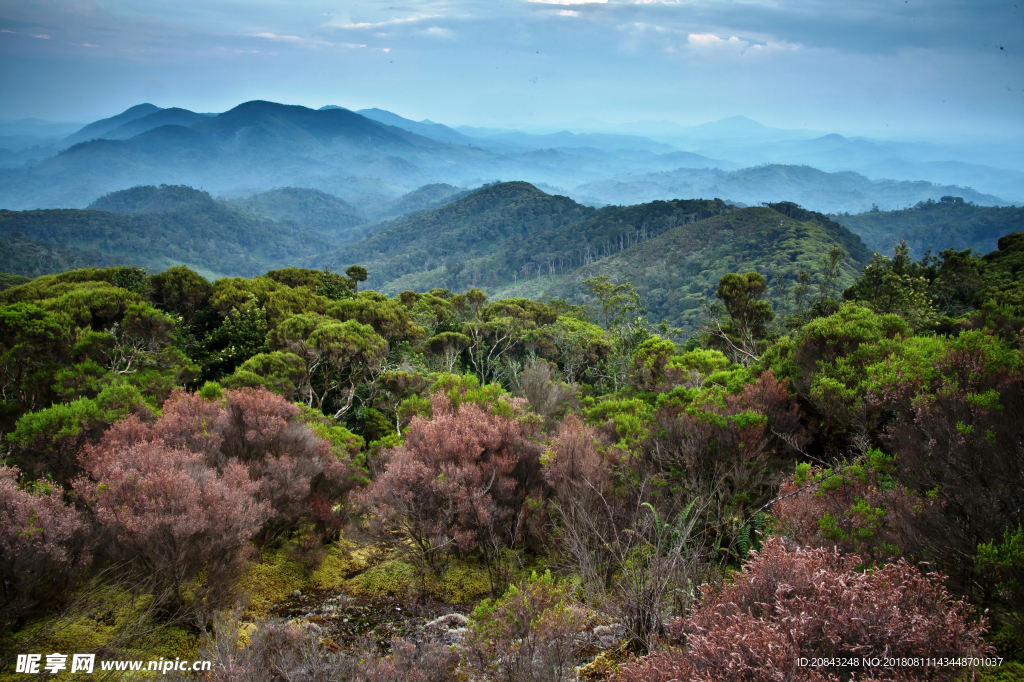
908	67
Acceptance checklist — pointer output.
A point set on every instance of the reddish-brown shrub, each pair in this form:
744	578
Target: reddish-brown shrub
171	515
573	464
259	429
457	484
42	544
790	603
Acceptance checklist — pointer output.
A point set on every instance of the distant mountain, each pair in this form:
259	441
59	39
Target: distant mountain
422	199
950	222
810	187
434	131
259	145
165	117
150	199
29	258
310	207
103	126
256	145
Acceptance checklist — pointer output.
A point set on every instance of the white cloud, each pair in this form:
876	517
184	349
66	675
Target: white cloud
389	22
285	39
713	41
304	42
43	36
567	13
438	32
569	2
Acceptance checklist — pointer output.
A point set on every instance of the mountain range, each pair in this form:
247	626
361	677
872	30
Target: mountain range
373	156
509	239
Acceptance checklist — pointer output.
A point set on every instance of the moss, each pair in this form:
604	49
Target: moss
390	579
106	618
271	581
461	583
343	559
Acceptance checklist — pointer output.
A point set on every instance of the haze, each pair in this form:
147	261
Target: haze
905	68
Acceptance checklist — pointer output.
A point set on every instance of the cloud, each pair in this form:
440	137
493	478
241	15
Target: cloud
704	40
377	24
569	2
567	13
299	40
438	32
44	36
274	36
89	45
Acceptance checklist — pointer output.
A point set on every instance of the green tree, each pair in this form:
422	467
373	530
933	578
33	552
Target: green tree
897	285
741	336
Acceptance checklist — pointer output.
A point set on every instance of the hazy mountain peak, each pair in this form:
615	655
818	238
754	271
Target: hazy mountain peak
150	199
99	128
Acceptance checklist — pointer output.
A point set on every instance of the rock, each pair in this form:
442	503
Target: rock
449	621
297	593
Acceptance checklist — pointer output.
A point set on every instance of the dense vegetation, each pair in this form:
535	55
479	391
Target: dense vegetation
933	225
541	485
170	226
30	258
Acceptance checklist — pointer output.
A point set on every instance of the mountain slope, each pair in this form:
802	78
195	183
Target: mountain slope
99	128
213	238
810	187
950	222
30	258
674	271
504	234
165	117
150	199
472	227
310	207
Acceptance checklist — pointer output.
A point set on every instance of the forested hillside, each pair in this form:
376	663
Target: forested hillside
677	270
30	258
291	473
932	226
211	237
310	207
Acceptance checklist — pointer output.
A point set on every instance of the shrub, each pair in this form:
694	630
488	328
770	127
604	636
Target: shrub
789	603
529	634
279	650
457	484
42	545
181	522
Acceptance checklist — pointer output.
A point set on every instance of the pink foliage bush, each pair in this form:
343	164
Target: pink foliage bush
574	463
789	603
182	497
169	512
256	428
457	484
42	544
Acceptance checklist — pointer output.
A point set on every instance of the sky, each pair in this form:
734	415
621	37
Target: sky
927	68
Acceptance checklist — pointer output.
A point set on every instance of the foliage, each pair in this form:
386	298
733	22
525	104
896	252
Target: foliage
457	484
43	545
933	225
790	603
529	634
